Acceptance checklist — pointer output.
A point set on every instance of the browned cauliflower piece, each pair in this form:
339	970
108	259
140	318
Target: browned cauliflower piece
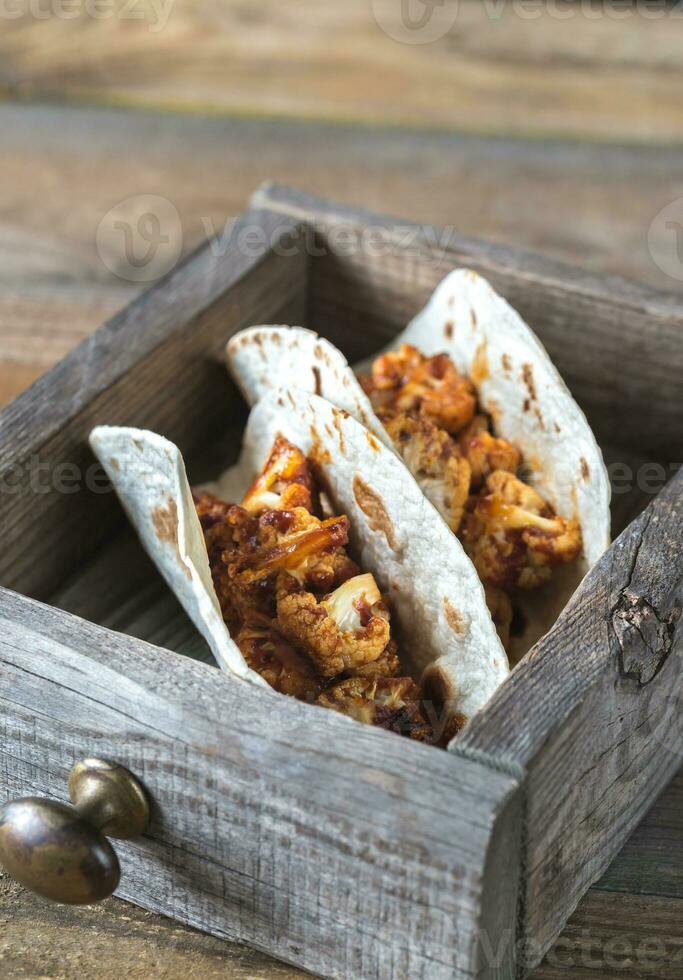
319	571
298	543
514	538
386	665
347	629
271	560
329	571
387	702
431	387
285	481
440	393
227	529
514	491
390	371
268	653
215	517
485	452
433	458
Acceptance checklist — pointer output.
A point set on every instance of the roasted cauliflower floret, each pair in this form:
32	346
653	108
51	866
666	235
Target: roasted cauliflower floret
386	665
514	491
431	387
434	460
440	393
268	653
295	549
285	481
486	453
213	517
347	629
227	528
514	538
391	371
301	613
387	702
211	510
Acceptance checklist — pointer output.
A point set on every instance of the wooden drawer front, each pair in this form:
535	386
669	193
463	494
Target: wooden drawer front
336	847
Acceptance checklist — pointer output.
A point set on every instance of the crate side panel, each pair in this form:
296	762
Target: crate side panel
617	344
594	714
332	845
57	510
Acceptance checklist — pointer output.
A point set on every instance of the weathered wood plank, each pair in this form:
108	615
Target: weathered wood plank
565	199
493	67
114	940
363	859
157	364
651	862
594	713
610	936
588	323
613	937
121	589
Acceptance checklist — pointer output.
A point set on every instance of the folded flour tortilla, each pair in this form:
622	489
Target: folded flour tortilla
517	385
432	587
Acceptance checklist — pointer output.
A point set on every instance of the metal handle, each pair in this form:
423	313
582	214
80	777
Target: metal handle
62	852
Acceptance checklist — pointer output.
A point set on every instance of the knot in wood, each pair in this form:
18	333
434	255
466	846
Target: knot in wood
645	638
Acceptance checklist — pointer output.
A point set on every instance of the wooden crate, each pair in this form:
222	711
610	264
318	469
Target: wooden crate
373	857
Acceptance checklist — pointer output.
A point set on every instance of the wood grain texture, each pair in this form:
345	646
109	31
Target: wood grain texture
608	938
651	862
615	342
635	938
62	169
114	940
598	708
399	285
637	596
365	863
169	341
493	68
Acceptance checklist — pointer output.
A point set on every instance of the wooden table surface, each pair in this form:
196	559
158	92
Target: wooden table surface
559	135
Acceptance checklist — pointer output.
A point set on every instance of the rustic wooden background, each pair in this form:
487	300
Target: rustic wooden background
563	136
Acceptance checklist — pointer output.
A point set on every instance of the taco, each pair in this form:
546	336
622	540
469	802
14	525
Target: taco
469	399
316	568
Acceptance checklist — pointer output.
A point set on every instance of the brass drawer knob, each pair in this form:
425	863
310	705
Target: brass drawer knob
62	852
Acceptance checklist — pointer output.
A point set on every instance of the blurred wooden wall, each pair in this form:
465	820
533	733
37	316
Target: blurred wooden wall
560	135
